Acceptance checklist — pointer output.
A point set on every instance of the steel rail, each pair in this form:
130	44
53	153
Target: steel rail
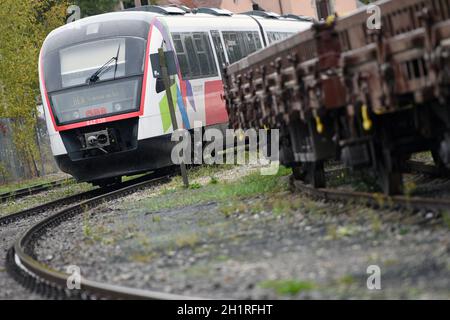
20	193
32	274
8	219
412	166
374	199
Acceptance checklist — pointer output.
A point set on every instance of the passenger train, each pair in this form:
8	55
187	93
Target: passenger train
106	109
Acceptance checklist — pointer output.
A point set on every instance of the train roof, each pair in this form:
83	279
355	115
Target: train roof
234	21
104	25
202	17
106	17
199	20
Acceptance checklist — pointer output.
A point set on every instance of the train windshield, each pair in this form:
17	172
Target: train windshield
79	62
68	76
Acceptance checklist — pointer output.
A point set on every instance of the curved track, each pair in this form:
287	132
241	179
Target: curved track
68	200
35	276
22	265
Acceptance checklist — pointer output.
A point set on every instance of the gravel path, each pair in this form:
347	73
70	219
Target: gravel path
283	246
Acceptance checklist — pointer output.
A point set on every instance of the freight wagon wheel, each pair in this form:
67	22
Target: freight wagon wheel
437	158
439	163
299	173
315	174
390	182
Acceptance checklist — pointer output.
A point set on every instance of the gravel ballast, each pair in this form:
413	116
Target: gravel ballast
264	246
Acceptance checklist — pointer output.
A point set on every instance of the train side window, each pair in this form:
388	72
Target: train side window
278	36
194	64
241	44
194	54
219	49
232	46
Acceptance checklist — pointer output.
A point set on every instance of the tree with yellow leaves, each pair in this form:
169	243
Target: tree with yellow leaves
23	27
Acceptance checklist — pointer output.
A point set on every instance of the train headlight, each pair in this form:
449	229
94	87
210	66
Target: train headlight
76	115
117	107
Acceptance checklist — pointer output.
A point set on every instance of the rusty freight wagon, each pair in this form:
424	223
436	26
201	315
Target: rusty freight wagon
347	90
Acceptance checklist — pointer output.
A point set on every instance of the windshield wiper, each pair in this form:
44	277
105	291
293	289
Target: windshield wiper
96	75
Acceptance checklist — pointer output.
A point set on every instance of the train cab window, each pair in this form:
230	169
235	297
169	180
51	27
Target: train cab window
240	44
194	55
78	62
116	63
219	48
278	36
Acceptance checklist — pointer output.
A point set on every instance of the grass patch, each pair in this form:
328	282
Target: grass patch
282	205
213	180
194	185
279	203
207	170
186	240
409	188
87	227
375	222
335	232
446	218
288	287
235	207
222	258
248	186
9	187
142	257
346	280
128	178
13	206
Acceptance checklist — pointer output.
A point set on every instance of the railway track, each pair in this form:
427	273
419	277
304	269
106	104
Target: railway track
422	168
33	275
22	265
67	201
380	200
20	193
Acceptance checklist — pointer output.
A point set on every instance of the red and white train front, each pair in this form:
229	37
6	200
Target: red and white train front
92	74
